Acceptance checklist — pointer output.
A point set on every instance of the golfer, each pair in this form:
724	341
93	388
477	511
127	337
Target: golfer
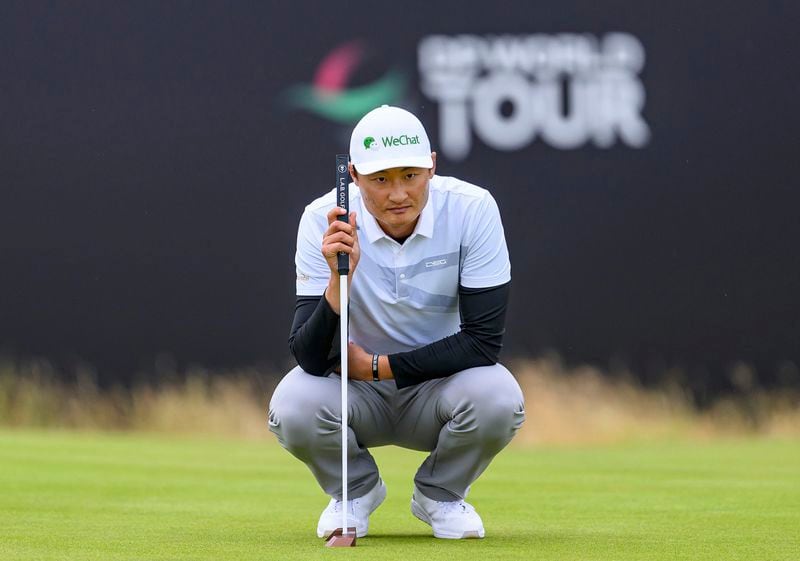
429	286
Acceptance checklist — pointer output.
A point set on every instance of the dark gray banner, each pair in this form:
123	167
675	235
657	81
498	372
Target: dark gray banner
155	159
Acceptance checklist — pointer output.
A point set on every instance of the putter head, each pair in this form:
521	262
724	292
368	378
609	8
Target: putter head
342	539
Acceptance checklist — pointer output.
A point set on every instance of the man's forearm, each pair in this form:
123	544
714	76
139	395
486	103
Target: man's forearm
332	294
477	344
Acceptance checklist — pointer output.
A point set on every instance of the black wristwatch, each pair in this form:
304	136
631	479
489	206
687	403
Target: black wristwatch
375	377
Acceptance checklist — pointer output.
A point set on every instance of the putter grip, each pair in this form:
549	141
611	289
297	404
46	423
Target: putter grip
343	201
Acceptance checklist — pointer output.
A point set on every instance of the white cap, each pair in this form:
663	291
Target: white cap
389	137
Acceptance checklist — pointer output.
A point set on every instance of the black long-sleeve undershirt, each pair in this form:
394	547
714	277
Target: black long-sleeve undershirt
314	338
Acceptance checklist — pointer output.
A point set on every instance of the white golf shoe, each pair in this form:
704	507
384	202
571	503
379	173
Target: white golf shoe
451	520
358	511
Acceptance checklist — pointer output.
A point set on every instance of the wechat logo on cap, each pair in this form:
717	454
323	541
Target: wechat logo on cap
369	143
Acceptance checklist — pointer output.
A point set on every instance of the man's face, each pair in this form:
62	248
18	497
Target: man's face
395	196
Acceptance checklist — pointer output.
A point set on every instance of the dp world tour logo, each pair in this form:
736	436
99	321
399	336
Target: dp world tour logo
328	96
567	89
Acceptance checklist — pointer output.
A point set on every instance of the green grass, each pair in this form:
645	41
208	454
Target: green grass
81	496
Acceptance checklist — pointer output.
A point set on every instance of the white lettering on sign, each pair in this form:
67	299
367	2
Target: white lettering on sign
568	89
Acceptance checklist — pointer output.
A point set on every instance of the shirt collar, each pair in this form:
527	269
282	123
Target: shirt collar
369	224
374	232
425	224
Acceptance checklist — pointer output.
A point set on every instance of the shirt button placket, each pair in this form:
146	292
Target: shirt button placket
399	263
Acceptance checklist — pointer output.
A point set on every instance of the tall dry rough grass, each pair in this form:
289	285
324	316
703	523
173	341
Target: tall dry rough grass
563	405
222	403
583	404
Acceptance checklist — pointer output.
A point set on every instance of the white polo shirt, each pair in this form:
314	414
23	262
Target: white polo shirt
406	296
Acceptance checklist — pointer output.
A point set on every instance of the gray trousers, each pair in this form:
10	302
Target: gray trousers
463	420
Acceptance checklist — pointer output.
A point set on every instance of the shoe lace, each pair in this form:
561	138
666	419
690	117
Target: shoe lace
337	506
456	507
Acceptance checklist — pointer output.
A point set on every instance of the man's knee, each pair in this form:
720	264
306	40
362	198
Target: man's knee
303	408
488	401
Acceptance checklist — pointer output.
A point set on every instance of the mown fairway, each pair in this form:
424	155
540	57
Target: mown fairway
75	496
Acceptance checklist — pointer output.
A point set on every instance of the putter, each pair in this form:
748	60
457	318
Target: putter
344	536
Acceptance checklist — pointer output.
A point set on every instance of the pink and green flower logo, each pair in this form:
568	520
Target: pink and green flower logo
329	95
